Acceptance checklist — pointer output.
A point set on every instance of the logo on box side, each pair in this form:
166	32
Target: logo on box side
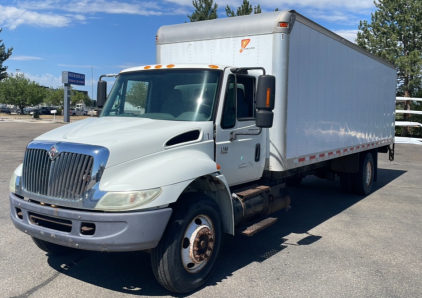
244	44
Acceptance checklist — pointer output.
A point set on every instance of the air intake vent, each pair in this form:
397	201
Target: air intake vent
184	138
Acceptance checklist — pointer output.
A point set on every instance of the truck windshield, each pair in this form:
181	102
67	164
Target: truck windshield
168	94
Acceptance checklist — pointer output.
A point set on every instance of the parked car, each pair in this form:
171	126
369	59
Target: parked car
27	111
45	110
93	112
5	110
76	112
15	111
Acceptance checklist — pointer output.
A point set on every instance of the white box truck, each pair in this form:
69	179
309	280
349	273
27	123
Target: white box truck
203	142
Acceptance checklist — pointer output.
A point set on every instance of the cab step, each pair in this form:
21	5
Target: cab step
257	226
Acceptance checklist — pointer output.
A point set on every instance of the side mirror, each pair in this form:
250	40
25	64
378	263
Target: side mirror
101	93
265	100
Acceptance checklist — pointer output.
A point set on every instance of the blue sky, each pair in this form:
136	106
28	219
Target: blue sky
106	36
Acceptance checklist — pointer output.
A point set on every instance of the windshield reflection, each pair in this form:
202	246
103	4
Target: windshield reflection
179	95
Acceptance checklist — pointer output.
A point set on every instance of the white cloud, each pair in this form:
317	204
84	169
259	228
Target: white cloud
47	13
11	17
339	17
46	79
95	6
350	35
61	13
356	5
24	58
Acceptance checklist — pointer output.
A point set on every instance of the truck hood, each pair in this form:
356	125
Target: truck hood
128	138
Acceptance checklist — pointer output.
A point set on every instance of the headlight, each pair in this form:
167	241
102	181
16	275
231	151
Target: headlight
127	200
12	183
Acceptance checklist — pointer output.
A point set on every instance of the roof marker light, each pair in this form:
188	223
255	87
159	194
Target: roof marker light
212	66
147	67
170	65
158	66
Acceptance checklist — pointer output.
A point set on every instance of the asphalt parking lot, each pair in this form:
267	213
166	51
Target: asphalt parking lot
329	244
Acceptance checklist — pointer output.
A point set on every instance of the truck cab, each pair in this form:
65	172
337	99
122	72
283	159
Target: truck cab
169	137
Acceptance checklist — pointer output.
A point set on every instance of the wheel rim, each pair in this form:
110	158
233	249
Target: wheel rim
368	173
198	243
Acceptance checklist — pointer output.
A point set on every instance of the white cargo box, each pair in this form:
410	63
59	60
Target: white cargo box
332	97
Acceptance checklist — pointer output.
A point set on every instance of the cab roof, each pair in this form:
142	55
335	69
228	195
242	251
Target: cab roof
174	66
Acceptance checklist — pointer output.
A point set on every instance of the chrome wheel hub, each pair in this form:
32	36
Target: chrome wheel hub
198	243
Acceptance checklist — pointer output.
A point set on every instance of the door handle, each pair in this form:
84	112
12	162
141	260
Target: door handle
257	152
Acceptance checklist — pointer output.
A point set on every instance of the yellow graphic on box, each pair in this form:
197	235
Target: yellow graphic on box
245	42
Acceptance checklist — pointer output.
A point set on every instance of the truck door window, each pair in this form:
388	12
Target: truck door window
228	119
117	104
245	91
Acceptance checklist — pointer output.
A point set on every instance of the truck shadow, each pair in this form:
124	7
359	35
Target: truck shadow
314	202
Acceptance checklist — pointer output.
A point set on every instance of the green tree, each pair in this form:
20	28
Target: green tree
20	91
54	97
4	55
395	34
137	94
204	10
243	10
79	97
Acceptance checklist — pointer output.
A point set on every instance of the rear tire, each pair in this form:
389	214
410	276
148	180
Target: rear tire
185	256
52	248
364	179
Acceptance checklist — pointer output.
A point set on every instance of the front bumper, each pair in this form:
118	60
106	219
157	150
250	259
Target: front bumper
129	231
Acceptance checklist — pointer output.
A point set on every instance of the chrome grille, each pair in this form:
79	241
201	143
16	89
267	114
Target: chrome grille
65	177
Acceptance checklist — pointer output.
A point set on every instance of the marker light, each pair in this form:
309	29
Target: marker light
267	103
283	25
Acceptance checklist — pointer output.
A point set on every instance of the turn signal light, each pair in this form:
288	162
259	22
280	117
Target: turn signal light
218	167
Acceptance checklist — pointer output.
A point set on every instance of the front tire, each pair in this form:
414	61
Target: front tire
185	256
52	248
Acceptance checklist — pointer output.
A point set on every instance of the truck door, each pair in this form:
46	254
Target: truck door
241	160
